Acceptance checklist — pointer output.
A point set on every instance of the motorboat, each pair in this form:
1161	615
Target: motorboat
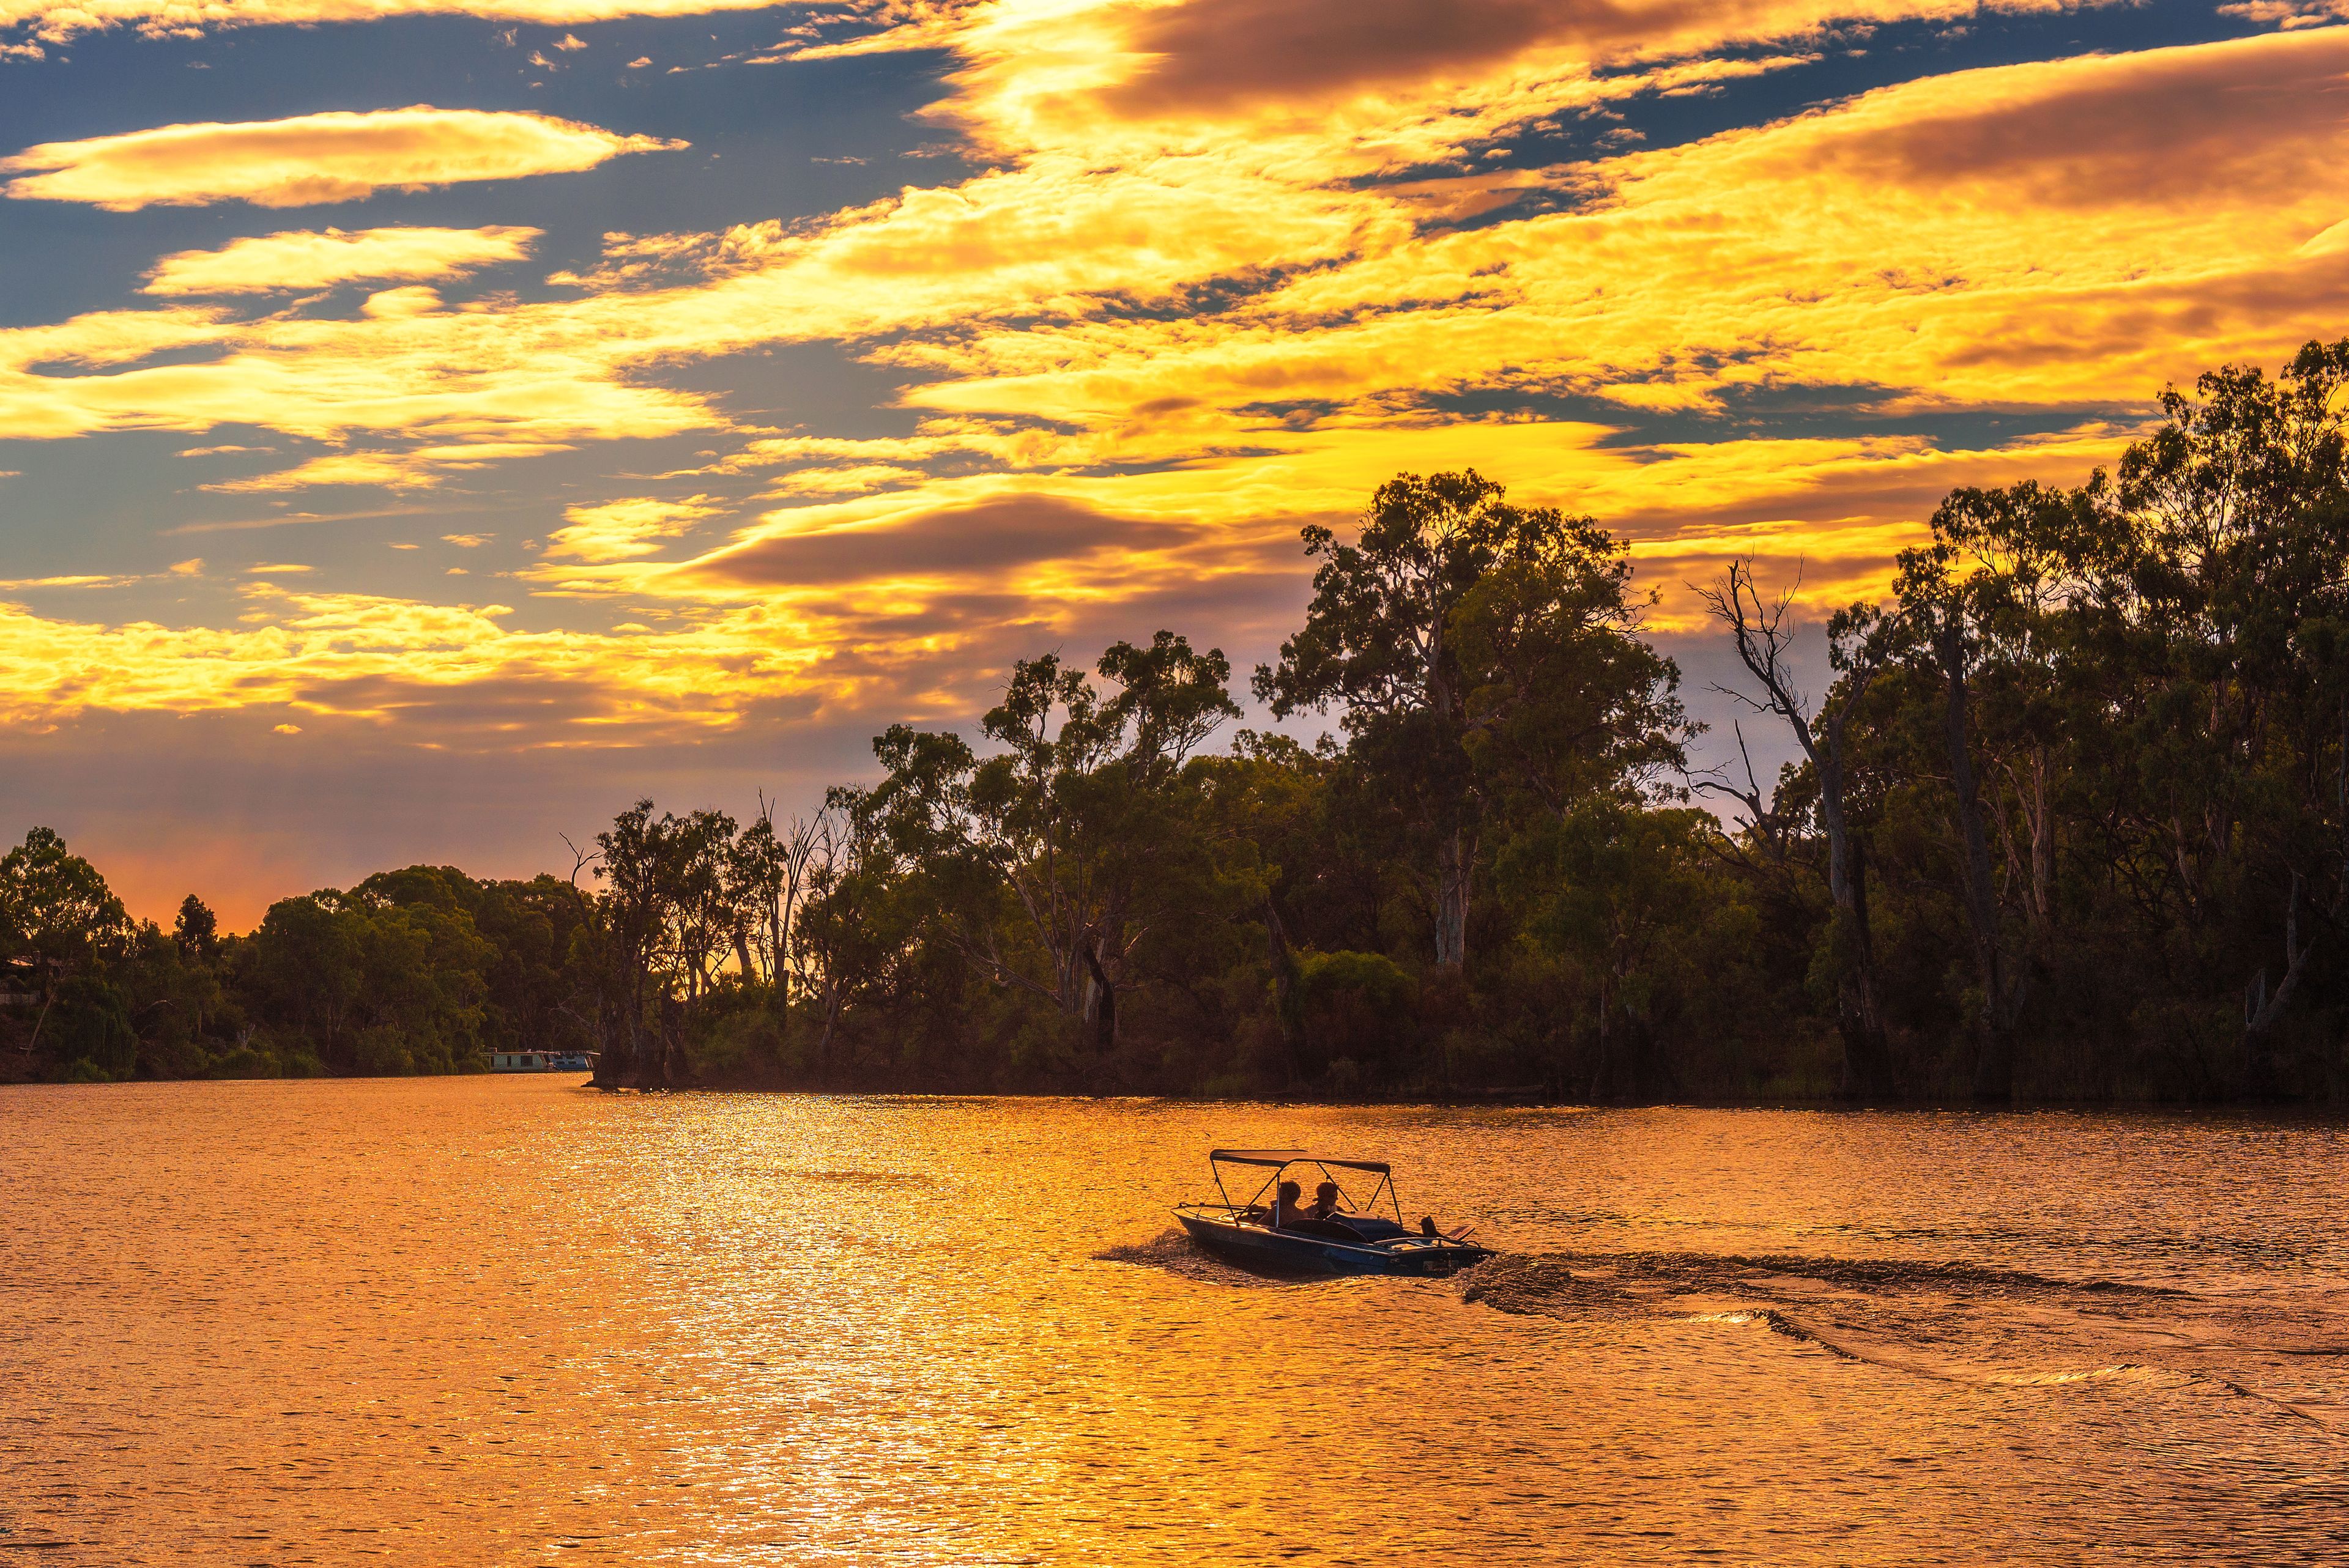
1357	1239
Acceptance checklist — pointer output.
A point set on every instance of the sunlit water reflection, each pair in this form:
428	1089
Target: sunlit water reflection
511	1321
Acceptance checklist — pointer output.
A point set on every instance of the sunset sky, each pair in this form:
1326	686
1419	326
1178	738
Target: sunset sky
429	424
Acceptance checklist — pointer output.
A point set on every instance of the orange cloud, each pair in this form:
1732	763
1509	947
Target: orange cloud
364	657
988	539
339	156
319	258
1998	236
384	468
1301	53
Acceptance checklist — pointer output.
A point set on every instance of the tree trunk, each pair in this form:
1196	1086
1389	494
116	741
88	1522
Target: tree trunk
668	1067
1859	1021
1452	856
1286	1004
1100	997
1606	1064
831	1003
39	1023
615	1046
1994	1061
2043	845
2263	1073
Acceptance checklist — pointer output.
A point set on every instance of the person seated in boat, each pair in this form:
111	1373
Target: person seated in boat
1285	1204
1325	1203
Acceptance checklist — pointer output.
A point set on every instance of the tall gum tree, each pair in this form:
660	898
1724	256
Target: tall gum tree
2230	561
1065	841
1467	642
1983	605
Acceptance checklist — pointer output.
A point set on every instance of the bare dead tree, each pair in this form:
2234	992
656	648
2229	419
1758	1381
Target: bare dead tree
1765	641
1763	824
771	877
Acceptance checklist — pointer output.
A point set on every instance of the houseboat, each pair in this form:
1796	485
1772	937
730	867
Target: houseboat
542	1061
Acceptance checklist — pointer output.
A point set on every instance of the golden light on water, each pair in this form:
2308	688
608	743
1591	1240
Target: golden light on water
507	1319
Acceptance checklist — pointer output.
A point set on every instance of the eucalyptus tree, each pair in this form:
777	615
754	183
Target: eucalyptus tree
627	935
851	923
1998	612
1467	642
2230	557
196	929
356	981
766	879
1053	857
57	914
1566	702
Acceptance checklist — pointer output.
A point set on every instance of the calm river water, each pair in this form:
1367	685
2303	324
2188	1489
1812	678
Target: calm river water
511	1321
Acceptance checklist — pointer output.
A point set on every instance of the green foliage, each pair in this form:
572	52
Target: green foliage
370	985
1357	1013
57	914
92	1037
1478	652
197	929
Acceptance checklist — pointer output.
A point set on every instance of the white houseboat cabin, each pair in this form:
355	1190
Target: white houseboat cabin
542	1061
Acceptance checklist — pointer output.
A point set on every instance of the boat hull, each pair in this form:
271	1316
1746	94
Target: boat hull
1282	1252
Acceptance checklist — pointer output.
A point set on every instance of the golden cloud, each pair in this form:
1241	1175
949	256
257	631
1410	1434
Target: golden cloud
366	656
618	530
1783	255
388	469
319	258
1090	438
861	605
337	155
988	539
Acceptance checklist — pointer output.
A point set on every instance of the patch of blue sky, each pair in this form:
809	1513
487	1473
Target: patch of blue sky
823	388
787	142
1783	413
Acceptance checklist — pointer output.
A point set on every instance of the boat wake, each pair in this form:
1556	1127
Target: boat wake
1955	1323
1961	1323
1174	1252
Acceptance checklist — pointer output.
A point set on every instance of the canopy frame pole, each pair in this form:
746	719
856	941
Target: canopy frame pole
1344	1197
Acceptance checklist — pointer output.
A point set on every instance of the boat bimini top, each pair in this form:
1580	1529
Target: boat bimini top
1276	1161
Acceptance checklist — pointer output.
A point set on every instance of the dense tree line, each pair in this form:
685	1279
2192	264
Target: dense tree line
424	970
2069	821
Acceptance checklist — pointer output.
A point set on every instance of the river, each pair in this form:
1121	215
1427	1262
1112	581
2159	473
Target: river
492	1321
